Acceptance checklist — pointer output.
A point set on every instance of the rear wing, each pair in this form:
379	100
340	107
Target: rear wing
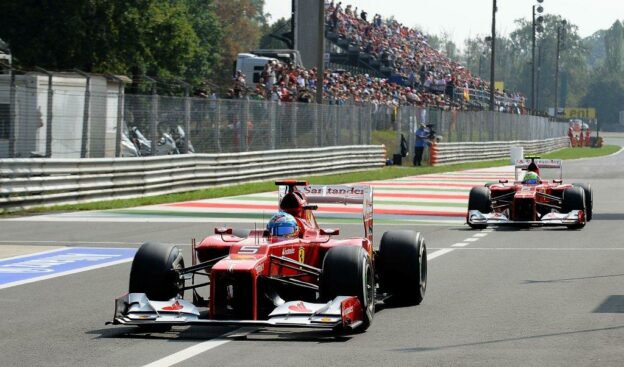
338	194
523	164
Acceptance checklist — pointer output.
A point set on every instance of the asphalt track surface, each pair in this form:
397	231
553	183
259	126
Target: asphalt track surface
501	297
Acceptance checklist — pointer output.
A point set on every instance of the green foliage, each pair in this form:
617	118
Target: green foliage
613	40
161	38
270	34
606	94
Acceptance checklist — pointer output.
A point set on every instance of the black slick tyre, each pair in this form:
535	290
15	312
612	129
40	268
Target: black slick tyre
153	272
573	199
479	199
402	266
589	199
348	271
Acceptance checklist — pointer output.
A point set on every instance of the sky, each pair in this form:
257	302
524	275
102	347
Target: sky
463	19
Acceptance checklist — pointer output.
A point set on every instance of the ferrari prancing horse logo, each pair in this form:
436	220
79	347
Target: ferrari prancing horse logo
301	254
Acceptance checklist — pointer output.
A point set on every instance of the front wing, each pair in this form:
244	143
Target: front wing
551	219
137	309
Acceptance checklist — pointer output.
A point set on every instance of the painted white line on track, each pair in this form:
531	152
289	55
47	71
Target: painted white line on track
56	275
196	349
480	235
35	253
439	253
471	239
460	244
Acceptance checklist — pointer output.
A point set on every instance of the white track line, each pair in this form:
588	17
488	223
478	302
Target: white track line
439	253
471	239
460	244
56	275
197	349
480	235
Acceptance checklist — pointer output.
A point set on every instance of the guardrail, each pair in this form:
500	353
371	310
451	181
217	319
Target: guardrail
30	183
447	153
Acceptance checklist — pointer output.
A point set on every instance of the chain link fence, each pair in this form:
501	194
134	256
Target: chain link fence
69	115
463	126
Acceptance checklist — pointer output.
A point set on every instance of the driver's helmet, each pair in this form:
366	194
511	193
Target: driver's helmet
283	225
531	178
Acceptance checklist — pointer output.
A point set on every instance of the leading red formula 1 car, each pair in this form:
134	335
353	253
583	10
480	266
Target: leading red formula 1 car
257	278
531	202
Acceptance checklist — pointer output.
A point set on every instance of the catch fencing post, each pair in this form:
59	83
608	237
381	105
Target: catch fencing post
335	110
153	116
294	120
217	125
120	112
85	115
187	114
48	152
272	117
12	115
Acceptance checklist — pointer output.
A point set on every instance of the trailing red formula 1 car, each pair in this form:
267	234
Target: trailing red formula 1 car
279	276
531	200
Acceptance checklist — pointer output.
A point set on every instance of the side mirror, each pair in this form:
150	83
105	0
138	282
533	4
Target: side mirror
223	230
330	231
558	181
503	181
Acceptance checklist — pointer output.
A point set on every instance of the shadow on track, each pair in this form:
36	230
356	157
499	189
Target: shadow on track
570	279
506	340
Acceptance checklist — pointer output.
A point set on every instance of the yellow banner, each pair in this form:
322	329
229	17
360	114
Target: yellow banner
499	85
579	113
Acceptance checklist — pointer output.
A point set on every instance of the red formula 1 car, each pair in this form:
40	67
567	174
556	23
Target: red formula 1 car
259	279
531	202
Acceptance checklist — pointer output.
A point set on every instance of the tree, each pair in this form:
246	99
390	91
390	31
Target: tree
276	35
241	22
613	41
162	38
606	94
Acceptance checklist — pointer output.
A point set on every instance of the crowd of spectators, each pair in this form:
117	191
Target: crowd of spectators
427	77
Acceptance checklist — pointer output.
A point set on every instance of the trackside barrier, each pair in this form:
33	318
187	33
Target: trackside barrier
37	182
447	153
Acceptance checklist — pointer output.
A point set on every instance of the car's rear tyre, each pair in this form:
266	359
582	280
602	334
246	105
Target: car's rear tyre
348	271
153	272
589	199
573	199
479	199
402	266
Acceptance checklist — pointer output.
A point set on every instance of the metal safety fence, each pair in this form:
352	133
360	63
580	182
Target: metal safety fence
469	126
73	115
34	182
67	115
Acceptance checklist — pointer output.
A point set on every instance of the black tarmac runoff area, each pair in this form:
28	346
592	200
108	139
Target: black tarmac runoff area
495	297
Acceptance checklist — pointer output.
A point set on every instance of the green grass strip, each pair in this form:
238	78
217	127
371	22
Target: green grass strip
385	173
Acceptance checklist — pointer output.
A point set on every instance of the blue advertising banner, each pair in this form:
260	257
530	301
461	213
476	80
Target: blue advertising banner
51	264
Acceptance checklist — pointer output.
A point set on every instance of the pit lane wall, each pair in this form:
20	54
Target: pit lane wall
37	182
448	153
